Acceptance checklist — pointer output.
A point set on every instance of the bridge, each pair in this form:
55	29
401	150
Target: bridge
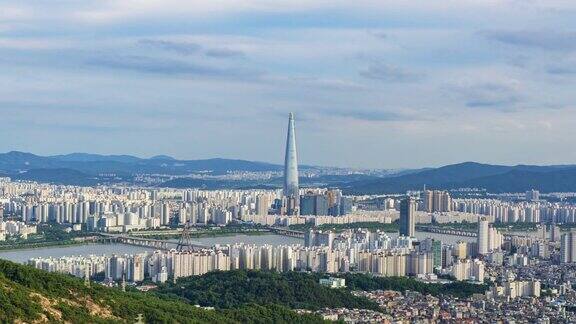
448	231
286	232
147	242
175	232
458	232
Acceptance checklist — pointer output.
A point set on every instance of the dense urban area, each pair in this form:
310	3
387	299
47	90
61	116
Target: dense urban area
433	255
385	257
287	162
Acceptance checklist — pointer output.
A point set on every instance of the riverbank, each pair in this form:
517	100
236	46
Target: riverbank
35	245
95	248
385	227
210	233
80	240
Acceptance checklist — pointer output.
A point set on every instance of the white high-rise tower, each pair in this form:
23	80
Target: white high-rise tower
483	233
291	162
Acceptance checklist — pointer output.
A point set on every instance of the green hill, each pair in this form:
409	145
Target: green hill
31	295
231	289
236	288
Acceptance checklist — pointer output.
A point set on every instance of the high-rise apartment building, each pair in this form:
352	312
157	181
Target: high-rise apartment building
555	234
434	247
568	247
514	289
532	195
436	201
319	238
468	270
165	214
262	204
461	250
482	238
489	239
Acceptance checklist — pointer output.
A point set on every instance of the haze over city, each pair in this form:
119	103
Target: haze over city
394	84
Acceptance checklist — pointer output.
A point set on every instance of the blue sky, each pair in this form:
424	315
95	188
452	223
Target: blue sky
383	84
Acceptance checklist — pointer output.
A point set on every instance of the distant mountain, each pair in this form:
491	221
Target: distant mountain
91	169
86	157
93	164
494	178
163	157
522	180
15	161
274	183
57	176
203	184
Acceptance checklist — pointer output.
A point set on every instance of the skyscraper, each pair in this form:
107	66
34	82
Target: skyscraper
408	217
568	247
291	162
482	235
489	239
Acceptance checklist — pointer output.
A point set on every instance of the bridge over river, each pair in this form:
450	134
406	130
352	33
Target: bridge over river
147	242
460	232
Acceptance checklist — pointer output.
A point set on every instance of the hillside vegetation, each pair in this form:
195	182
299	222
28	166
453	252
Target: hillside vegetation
236	288
456	289
297	290
31	295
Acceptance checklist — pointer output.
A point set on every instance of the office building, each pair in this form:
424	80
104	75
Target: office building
334	197
320	202
408	217
314	204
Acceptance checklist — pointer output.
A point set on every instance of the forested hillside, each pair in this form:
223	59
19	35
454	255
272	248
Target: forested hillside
31	295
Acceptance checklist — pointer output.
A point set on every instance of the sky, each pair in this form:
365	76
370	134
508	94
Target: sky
373	84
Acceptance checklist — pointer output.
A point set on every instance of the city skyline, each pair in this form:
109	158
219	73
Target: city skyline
394	85
148	175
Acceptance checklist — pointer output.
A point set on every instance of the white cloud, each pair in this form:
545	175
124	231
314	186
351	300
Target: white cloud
35	43
185	84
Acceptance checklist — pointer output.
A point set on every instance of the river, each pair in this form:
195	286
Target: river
23	255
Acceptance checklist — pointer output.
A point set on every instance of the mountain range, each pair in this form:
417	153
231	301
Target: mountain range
17	163
492	178
85	169
91	169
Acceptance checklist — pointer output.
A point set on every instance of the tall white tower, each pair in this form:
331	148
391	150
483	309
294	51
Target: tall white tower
291	162
483	232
